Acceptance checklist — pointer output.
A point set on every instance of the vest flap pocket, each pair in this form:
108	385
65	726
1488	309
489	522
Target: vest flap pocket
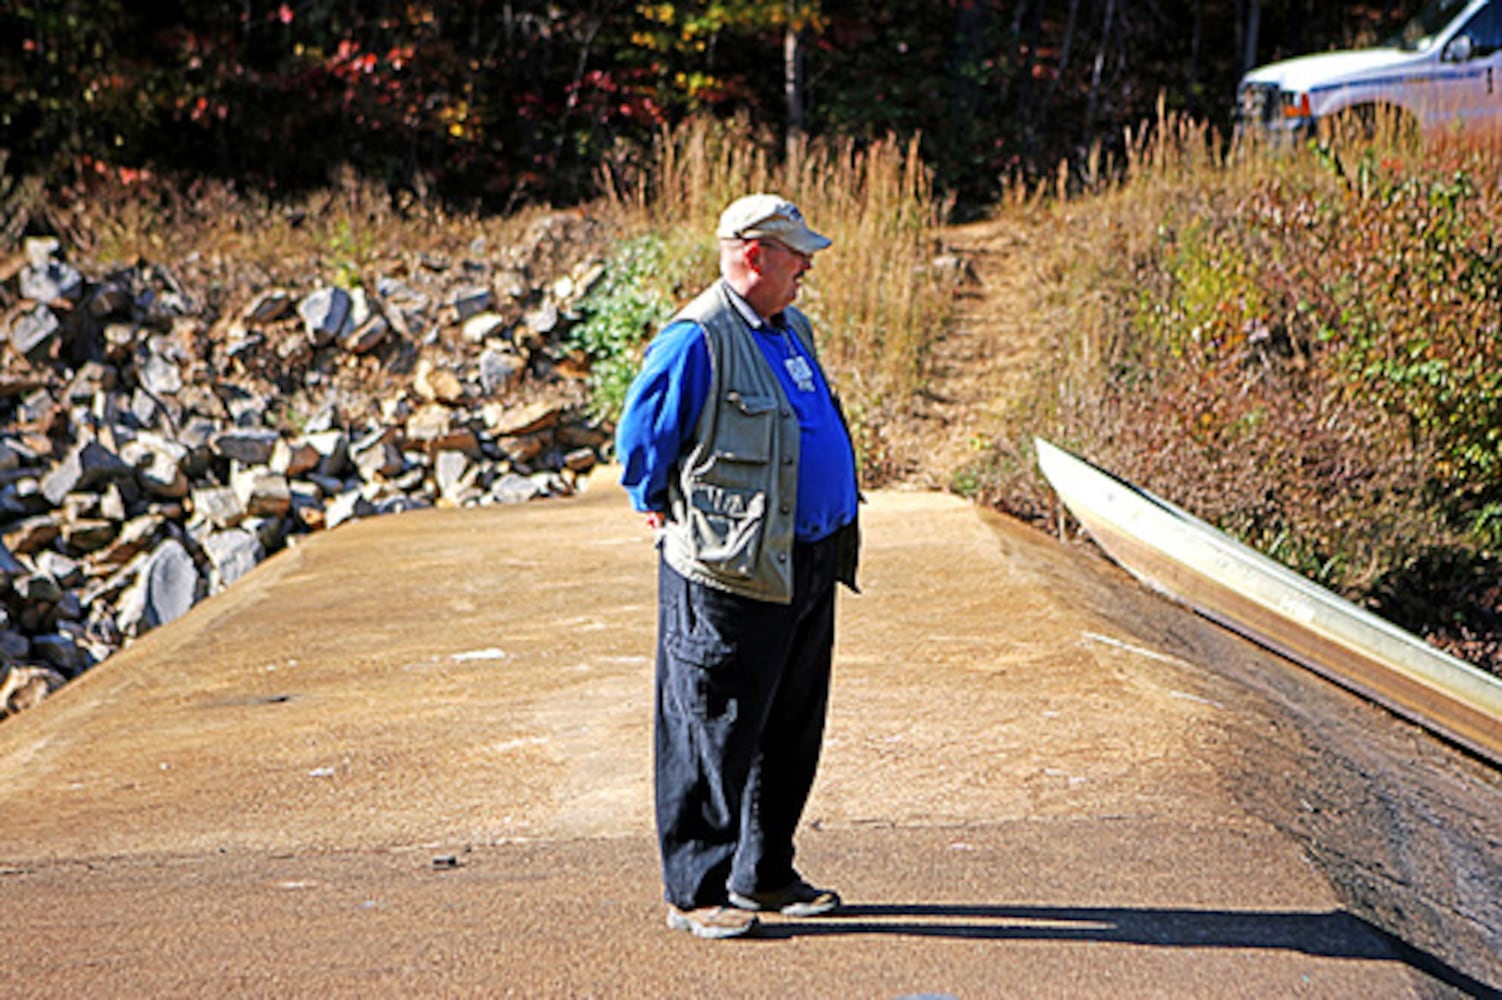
745	428
726	527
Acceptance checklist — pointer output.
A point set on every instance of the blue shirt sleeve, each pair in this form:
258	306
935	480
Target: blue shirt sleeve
661	411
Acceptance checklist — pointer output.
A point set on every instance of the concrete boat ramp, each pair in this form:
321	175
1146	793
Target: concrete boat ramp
411	757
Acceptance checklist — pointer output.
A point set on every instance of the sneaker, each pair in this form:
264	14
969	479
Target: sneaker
799	899
712	921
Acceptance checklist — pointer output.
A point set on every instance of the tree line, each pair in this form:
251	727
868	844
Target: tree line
496	102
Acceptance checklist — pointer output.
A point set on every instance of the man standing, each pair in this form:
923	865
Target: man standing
734	447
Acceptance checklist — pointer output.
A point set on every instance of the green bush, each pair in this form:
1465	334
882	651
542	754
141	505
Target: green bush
638	294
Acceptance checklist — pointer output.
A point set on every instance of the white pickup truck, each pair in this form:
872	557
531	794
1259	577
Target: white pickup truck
1441	73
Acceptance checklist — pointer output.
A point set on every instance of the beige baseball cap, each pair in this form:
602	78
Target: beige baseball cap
770	216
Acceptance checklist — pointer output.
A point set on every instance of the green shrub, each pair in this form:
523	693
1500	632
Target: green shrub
638	294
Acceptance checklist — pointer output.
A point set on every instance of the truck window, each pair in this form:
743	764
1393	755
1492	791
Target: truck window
1418	34
1485	30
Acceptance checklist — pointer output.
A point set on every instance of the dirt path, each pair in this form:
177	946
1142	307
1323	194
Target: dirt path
979	367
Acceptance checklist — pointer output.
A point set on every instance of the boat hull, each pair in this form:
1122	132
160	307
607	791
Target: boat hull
1179	555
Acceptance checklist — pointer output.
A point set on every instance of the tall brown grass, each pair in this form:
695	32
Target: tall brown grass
876	301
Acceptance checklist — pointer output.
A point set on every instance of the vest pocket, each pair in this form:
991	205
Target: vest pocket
726	526
727	506
745	429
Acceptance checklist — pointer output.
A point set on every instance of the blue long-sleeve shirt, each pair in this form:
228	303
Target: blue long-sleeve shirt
665	400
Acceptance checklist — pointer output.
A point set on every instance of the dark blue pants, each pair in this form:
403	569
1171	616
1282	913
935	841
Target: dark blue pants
742	690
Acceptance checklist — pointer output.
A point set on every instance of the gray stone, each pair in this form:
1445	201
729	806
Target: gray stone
38	588
114	501
159	375
360	311
91	379
414	479
41	250
69	609
23	498
246	445
145	408
62	653
14	646
326	314
159	466
232	554
34	333
482	326
430	423
512	488
449	475
328	486
400	504
49	281
246	410
513	284
367	336
37	408
527	419
68	572
333	449
87	466
10	566
166	588
271	531
500	371
269	307
262	493
543	320
10	457
219	505
347	506
471	301
293	458
381	460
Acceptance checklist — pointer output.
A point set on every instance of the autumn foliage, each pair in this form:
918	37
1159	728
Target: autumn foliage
497	103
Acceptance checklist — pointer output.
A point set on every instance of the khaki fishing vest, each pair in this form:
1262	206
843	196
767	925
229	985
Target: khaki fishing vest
732	507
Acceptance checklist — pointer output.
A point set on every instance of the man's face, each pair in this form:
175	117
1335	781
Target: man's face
781	269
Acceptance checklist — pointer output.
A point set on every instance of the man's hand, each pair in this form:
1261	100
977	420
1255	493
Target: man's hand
656	519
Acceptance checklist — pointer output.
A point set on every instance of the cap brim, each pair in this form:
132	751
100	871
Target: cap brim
807	241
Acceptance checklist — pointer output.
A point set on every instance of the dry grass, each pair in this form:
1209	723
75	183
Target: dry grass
1303	346
876	302
347	233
